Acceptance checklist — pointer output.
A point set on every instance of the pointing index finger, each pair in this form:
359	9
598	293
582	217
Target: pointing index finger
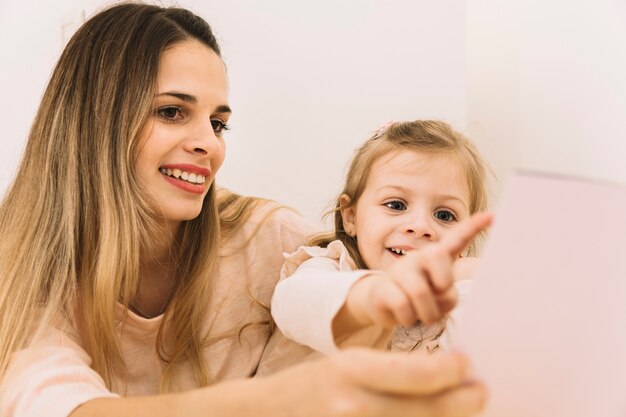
461	236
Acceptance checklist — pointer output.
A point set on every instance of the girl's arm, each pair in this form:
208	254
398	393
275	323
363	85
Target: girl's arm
419	286
308	300
323	304
354	382
465	268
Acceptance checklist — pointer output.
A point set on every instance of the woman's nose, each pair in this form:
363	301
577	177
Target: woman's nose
203	140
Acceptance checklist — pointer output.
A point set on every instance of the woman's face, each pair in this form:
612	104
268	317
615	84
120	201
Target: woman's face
181	145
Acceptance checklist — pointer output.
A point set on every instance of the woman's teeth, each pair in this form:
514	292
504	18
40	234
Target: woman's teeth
183	175
398	251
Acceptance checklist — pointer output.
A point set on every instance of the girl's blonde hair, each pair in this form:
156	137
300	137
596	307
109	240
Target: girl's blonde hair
418	135
76	222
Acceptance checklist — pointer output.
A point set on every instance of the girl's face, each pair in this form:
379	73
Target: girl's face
411	199
181	145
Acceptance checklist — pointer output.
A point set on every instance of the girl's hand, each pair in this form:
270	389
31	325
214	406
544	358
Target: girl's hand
419	286
465	268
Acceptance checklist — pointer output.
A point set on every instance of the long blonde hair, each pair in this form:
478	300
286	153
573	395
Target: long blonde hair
75	223
419	135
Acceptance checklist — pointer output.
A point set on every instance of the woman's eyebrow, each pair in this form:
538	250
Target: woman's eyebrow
223	109
188	98
181	96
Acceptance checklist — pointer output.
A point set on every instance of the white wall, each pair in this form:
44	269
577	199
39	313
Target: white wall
310	80
547	85
30	42
537	84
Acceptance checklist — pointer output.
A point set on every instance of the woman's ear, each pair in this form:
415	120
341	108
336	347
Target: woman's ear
347	210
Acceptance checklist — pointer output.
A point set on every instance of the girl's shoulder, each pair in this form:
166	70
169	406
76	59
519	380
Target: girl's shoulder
335	251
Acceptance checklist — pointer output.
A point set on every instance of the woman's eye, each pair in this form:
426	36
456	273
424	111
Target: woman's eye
219	126
445	216
170	113
396	205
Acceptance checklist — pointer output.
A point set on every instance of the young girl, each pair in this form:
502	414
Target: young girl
129	286
396	249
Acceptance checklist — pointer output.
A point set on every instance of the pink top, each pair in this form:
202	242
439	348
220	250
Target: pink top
53	376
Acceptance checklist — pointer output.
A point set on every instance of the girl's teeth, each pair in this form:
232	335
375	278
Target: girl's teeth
398	251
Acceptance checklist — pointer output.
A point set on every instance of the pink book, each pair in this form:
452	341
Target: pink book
545	325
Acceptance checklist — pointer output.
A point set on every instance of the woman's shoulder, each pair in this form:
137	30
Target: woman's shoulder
238	209
246	219
273	212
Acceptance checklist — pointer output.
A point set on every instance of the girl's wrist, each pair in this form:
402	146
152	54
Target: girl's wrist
465	268
353	315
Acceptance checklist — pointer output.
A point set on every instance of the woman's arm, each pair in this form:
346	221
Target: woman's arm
354	382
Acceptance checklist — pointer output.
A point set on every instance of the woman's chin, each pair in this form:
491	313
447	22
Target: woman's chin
182	214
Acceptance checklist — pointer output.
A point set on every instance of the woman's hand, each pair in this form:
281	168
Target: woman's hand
351	383
368	383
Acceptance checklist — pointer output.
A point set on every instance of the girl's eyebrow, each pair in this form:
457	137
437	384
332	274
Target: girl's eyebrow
193	100
446	197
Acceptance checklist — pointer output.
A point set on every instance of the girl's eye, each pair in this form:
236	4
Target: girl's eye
396	205
219	126
445	216
170	113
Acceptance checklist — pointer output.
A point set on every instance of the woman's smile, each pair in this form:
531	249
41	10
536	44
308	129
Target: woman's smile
186	177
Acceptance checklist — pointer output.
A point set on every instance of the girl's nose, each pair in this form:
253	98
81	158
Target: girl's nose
421	226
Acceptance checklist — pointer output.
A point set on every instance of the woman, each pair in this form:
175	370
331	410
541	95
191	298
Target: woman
123	292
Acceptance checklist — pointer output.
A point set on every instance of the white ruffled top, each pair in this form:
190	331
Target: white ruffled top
314	286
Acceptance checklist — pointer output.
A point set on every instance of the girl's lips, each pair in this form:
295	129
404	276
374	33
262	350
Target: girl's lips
400	250
402	247
394	253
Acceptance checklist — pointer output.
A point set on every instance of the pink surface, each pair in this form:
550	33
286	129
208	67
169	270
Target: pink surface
546	323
